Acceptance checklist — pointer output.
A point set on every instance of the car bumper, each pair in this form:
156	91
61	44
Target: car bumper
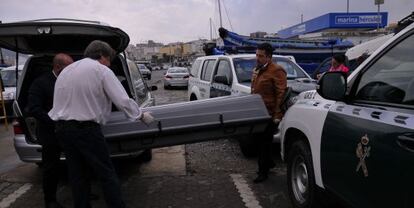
176	83
32	153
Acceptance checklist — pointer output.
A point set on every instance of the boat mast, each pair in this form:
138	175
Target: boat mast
211	30
221	23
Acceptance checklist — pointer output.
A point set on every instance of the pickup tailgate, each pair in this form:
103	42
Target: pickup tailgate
188	122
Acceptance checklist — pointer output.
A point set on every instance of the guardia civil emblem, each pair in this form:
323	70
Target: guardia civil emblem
362	152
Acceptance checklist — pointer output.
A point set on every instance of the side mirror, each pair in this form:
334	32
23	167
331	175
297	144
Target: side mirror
221	80
332	86
154	88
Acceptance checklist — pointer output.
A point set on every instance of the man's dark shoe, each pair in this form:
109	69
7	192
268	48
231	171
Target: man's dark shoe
93	197
260	178
53	204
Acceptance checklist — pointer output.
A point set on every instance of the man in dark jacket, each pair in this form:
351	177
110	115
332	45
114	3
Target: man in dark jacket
40	101
270	82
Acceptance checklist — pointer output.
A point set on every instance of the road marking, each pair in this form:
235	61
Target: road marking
6	202
246	193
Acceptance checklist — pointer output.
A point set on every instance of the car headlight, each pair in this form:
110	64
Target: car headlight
292	100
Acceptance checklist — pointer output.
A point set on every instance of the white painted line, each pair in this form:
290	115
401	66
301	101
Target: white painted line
246	193
6	202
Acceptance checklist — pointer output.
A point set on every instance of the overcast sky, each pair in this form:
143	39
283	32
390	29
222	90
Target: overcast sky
184	20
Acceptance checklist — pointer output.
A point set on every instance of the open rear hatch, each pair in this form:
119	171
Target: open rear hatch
52	36
189	122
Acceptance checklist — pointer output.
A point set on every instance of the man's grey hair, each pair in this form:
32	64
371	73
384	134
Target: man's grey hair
96	49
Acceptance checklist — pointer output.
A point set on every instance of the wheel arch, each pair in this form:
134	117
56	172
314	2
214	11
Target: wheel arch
291	136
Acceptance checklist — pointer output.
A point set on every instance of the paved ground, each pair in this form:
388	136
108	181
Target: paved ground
208	174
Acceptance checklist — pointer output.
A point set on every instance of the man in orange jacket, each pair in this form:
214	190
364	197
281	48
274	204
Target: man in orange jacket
270	82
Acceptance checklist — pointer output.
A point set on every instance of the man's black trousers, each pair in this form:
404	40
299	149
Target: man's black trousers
265	139
85	146
51	151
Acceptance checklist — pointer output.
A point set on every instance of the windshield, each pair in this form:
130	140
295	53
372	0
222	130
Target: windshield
244	68
9	78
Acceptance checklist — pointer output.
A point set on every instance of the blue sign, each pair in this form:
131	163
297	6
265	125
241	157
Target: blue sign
368	20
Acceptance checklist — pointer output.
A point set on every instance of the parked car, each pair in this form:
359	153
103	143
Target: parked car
8	76
354	137
176	77
146	73
223	75
176	123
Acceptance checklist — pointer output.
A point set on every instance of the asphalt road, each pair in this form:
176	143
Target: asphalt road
208	174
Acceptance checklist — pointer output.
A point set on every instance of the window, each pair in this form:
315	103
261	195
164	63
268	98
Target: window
207	70
9	77
195	68
137	83
391	78
224	69
292	71
177	70
244	68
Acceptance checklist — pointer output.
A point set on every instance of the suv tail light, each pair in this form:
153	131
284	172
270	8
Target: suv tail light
186	77
168	77
17	128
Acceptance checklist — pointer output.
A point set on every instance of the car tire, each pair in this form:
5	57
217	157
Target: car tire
146	156
248	146
193	97
302	188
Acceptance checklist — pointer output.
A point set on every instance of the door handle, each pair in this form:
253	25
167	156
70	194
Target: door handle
406	142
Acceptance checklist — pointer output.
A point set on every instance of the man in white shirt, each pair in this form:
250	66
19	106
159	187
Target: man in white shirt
83	97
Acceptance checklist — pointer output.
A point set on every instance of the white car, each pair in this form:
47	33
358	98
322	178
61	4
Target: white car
354	137
176	77
223	75
215	76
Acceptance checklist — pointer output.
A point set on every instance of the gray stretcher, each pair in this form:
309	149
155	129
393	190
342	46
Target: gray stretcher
188	122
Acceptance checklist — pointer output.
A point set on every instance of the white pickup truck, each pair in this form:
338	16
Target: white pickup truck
223	75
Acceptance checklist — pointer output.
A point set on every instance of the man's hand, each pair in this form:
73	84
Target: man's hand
147	118
276	121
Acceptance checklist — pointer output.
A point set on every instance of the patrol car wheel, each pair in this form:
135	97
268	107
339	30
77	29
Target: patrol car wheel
248	146
301	179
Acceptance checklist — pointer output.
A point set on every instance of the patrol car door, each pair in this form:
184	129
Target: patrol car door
222	79
367	147
206	77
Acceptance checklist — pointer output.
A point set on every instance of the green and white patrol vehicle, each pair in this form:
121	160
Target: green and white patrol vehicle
354	137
